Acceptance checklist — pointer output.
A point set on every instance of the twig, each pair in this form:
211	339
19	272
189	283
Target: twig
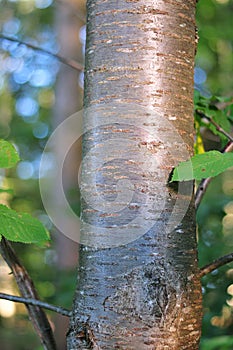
67	61
27	289
216	264
201	190
30	301
217	126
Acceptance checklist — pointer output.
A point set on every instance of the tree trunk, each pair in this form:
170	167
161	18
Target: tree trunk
137	282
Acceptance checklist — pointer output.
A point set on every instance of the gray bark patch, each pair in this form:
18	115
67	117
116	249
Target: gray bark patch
146	295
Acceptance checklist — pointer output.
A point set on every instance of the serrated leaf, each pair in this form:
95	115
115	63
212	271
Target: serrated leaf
8	155
21	227
201	166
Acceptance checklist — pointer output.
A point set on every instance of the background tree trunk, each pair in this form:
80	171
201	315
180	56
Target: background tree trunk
68	101
137	282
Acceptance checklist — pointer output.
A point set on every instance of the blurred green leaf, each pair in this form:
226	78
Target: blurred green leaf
8	155
217	343
6	190
21	227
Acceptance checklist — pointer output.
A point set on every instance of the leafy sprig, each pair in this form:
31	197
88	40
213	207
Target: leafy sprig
212	163
17	227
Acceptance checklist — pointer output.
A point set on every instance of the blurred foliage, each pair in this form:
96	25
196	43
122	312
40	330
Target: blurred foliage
218	343
215	240
214	67
216	109
27	97
215	54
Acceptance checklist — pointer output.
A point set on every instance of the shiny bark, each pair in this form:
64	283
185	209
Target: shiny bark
137	285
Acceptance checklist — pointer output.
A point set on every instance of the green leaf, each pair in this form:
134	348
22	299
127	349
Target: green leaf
203	165
8	155
21	227
6	190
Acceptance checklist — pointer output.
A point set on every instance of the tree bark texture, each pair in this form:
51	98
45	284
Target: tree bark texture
137	286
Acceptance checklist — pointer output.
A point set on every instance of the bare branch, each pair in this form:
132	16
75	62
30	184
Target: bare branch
30	301
201	190
67	61
216	264
27	289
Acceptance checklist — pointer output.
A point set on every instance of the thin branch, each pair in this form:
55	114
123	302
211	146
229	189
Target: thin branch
216	264
35	302
27	289
201	190
217	126
67	61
